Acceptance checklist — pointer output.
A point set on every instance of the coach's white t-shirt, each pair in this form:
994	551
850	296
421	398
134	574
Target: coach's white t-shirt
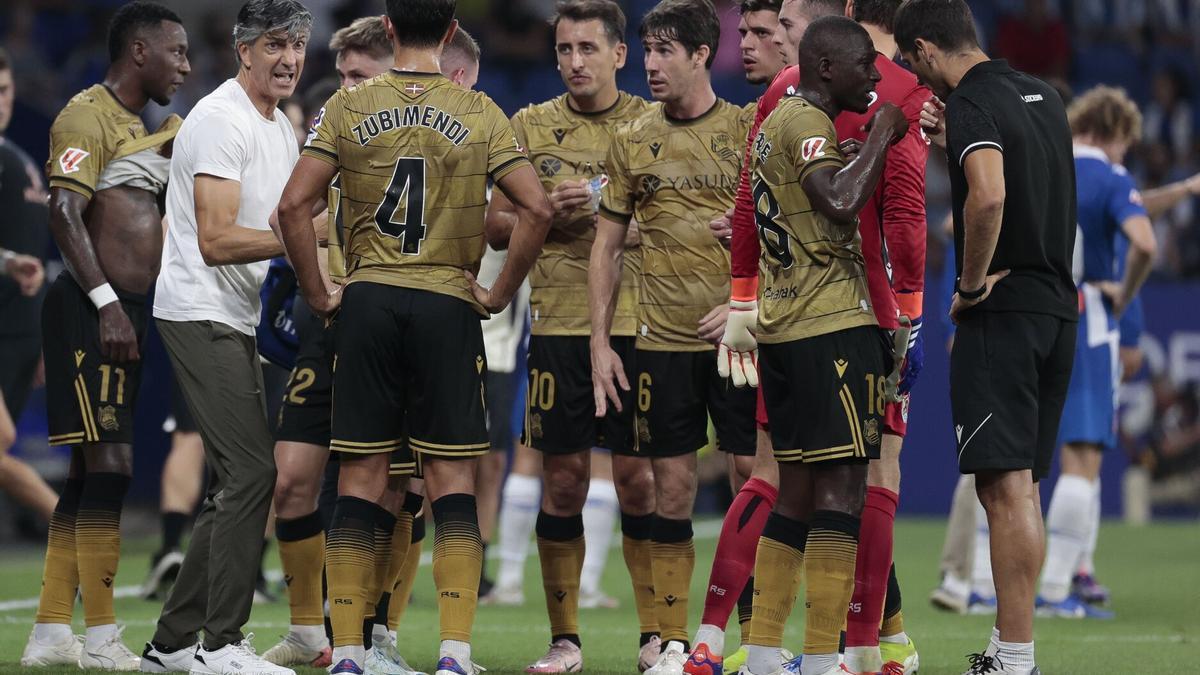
226	137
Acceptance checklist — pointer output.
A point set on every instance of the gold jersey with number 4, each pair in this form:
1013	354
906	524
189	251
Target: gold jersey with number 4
674	177
812	279
414	153
567	145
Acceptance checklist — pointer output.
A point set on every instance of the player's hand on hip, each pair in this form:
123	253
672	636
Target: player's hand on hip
27	271
712	326
737	355
484	296
958	305
608	373
1115	292
327	305
721	228
118	341
566	198
933	121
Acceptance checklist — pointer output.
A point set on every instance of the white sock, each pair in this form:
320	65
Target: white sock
52	633
314	636
456	649
599	522
98	635
1086	563
355	653
712	636
818	664
1015	657
379	632
764	660
981	566
900	638
1067	525
518	515
863	659
392	634
993	643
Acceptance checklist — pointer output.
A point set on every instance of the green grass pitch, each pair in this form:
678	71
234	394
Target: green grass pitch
1154	573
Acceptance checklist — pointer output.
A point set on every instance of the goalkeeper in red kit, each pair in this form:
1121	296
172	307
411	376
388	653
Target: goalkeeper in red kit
892	226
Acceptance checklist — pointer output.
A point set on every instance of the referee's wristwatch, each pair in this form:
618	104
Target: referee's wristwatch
971	295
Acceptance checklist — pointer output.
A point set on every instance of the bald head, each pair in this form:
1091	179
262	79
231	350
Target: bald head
832	39
837	58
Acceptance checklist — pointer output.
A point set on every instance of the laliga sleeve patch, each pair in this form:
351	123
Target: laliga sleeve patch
71	158
316	124
812	148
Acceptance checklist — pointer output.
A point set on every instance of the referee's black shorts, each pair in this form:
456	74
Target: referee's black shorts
1009	373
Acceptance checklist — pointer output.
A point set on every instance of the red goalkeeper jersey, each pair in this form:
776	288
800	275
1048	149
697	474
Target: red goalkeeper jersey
892	223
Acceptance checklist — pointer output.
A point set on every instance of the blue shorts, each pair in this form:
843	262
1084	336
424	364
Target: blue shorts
1089	415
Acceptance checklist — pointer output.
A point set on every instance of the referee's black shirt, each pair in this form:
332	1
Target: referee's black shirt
1000	108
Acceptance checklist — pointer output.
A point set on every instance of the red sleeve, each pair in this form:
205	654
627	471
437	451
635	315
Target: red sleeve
904	224
744	248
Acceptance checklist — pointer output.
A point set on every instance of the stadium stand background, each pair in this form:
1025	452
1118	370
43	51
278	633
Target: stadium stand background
1149	47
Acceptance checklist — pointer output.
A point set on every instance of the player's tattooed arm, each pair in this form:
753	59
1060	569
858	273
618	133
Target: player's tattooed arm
839	194
307	186
604	283
118	341
524	191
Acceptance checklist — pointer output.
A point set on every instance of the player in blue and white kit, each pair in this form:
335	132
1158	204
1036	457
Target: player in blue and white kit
1105	123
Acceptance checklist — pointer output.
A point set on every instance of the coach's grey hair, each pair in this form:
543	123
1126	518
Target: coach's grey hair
259	17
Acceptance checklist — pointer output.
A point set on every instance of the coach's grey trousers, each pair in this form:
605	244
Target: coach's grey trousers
218	370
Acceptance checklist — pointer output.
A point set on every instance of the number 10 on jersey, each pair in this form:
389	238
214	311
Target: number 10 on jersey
401	214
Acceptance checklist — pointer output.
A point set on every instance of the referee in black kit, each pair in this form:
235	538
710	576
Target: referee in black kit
1012	175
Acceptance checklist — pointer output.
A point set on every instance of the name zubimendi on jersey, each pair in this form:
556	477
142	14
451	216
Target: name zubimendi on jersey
387	119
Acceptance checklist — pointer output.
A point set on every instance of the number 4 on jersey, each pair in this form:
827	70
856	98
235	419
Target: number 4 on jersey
401	214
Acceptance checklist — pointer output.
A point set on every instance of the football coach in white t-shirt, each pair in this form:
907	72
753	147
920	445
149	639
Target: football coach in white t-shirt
232	157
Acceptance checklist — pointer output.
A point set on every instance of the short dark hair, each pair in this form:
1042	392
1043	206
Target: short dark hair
420	23
747	6
691	23
131	18
464	44
814	9
877	12
5	60
606	12
948	24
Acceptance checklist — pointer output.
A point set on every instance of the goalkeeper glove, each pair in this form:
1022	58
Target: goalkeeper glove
914	359
737	357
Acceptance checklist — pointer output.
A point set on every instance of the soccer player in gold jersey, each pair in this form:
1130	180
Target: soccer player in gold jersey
363	50
106	175
415	153
823	355
568	139
673	170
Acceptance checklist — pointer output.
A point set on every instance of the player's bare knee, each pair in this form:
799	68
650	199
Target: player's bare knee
295	494
841	487
108	458
564	489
